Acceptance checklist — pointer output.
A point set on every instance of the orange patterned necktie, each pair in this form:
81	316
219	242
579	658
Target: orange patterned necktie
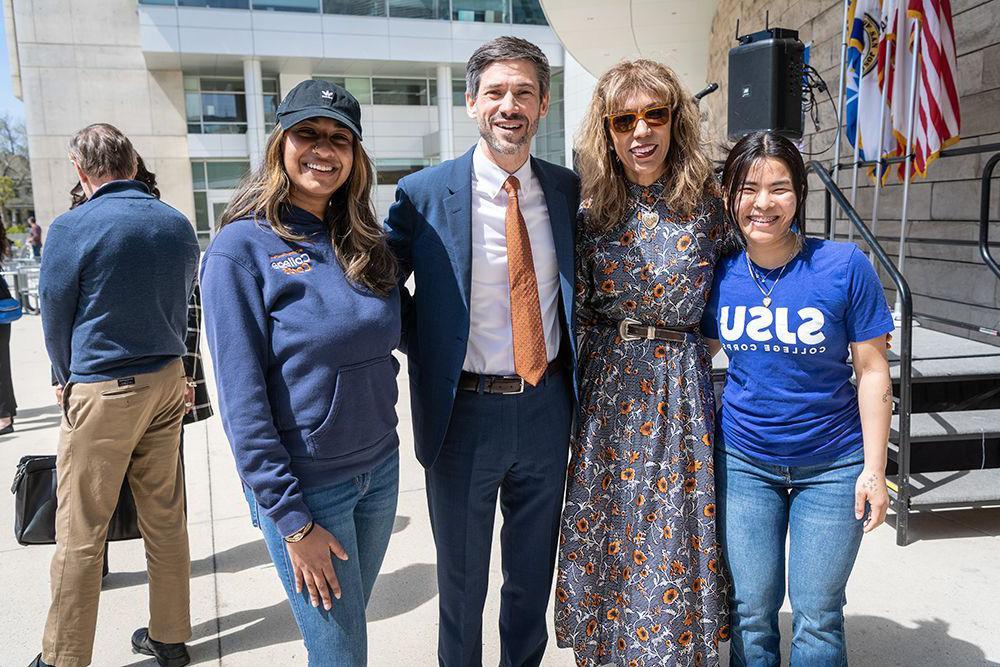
530	358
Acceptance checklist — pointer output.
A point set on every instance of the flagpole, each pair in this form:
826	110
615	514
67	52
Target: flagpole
897	311
881	142
840	115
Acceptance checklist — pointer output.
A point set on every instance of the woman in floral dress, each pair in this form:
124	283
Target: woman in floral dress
639	579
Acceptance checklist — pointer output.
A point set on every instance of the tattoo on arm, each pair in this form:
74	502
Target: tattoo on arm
887	396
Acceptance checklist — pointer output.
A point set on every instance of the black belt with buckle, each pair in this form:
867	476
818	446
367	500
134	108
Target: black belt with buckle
634	330
500	384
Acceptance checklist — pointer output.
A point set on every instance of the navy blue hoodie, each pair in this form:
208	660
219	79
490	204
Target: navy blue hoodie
303	362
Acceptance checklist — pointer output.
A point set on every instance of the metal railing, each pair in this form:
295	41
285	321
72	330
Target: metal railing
984	214
833	193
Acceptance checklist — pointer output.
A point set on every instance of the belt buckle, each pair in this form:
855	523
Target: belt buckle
623	329
520	389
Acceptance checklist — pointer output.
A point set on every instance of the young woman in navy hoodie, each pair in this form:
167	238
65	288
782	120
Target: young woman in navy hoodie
302	315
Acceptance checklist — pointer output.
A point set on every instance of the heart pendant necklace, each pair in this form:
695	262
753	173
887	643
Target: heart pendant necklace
648	216
759	281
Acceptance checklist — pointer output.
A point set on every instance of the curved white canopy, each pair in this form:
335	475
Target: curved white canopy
599	33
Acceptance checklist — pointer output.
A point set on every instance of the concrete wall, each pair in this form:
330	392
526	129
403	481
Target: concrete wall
942	266
81	63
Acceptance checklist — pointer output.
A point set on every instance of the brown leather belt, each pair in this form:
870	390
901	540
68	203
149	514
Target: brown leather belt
500	384
630	330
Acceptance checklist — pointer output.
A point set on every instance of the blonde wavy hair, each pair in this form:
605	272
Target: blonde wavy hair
359	240
688	175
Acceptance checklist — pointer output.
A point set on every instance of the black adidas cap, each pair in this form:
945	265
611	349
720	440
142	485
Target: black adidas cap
314	98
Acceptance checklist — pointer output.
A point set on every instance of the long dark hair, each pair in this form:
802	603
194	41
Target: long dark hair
747	151
77	196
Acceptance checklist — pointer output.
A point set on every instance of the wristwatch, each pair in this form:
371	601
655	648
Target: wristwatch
299	534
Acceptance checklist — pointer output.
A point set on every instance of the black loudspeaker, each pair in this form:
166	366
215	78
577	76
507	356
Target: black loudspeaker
765	84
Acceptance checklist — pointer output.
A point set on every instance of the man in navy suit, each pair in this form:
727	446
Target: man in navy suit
488	331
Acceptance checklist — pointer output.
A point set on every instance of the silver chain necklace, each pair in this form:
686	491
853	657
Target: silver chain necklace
757	280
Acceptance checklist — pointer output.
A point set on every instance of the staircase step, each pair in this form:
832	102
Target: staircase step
959	425
957	488
952	369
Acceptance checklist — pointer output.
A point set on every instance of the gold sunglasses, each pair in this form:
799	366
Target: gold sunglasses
627	120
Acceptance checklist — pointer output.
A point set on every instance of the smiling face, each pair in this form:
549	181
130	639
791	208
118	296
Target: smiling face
318	157
507	108
767	205
642	150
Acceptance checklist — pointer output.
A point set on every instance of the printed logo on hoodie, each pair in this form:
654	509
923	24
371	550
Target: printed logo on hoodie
292	262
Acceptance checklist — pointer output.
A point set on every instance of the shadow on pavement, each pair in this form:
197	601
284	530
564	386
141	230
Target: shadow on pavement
238	558
401	591
943	525
400	524
258	628
873	640
871	637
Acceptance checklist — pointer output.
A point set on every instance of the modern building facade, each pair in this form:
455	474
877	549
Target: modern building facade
195	83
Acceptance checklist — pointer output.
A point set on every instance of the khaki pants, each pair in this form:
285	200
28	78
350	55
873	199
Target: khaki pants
110	429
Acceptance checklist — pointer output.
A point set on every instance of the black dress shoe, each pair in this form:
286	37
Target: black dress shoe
38	662
167	655
8	429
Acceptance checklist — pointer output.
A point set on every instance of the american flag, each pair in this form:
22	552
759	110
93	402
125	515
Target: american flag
938	121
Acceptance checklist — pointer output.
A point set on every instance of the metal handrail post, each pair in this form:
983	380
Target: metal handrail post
906	347
832	229
984	215
909	157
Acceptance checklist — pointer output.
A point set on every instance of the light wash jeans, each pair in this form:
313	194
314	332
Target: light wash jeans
758	504
360	513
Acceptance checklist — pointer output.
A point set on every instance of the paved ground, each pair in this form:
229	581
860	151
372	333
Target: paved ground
934	603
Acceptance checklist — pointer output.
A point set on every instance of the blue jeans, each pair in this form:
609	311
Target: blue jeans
758	505
360	513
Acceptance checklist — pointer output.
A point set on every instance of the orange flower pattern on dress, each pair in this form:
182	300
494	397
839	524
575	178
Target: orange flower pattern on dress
641	583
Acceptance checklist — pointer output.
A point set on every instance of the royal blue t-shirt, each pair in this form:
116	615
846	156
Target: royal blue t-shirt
788	398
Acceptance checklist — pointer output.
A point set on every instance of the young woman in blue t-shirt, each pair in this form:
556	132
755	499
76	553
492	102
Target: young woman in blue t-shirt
801	452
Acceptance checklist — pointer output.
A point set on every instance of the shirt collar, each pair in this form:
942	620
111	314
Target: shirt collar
119	186
490	177
301	221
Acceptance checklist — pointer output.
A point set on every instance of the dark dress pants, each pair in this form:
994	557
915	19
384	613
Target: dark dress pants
515	446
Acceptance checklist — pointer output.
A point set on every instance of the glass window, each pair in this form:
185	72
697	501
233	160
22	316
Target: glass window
458	92
269	86
219	4
222	85
419	9
390	170
483	11
411	92
528	12
359	86
198	175
550	141
157	2
215	105
355	7
225	175
311	6
201	223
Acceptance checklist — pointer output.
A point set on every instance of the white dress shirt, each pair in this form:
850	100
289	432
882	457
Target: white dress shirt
491	340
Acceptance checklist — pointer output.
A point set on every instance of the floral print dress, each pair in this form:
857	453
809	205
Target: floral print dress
639	580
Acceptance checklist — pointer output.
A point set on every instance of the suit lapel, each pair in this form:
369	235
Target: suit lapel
458	209
561	221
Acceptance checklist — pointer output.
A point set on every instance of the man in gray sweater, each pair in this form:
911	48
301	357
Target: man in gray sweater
114	285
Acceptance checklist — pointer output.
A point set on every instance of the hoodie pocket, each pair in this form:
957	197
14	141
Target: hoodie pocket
363	411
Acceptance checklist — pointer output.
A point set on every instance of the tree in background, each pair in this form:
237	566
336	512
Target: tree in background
15	170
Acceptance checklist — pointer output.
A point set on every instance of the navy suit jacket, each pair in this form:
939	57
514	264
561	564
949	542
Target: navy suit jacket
430	231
